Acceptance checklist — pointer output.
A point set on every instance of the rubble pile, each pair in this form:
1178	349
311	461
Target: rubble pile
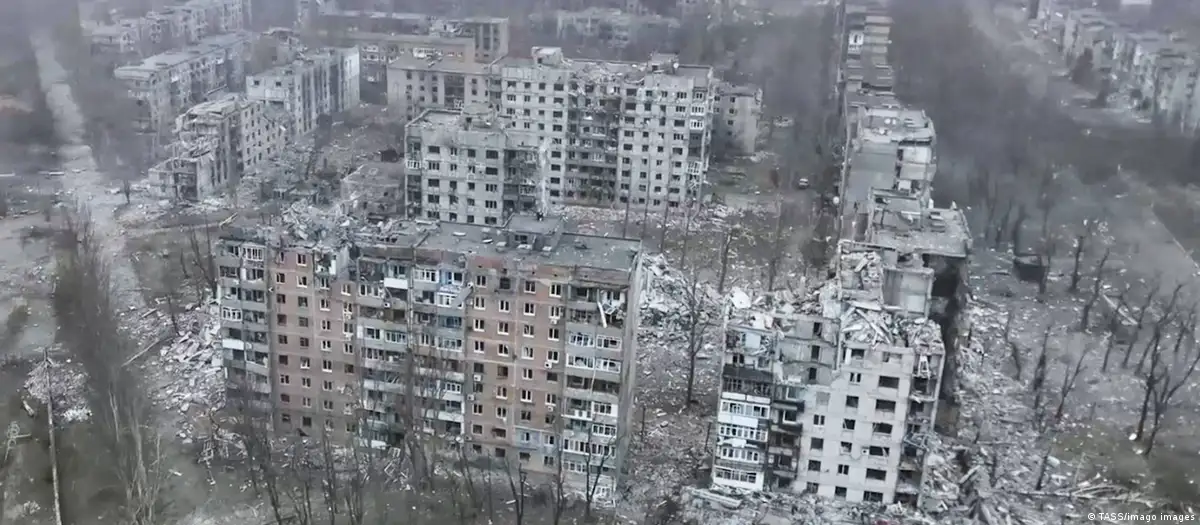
999	455
670	445
63	381
184	367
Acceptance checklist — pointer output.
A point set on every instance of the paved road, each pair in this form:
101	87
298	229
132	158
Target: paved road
84	180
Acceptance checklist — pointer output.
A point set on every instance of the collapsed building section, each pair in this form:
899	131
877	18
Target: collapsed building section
217	143
516	341
835	396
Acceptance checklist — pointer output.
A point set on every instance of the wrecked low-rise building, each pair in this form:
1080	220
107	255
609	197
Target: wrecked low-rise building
516	341
217	143
474	166
375	191
835	396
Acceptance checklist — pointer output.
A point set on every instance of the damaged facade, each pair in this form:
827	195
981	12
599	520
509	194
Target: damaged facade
317	82
516	341
736	117
838	395
163	29
167	84
630	134
473	166
834	396
217	143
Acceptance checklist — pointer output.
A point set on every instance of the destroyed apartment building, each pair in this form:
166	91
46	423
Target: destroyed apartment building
474	166
517	341
838	395
835	396
217	143
634	134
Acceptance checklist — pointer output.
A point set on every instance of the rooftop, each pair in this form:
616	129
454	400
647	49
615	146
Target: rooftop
659	64
171	59
894	124
303	225
901	222
441	65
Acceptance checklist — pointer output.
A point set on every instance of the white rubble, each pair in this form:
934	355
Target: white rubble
65	383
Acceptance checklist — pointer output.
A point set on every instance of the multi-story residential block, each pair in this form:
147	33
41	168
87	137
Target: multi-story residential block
218	142
166	84
168	28
836	400
638	134
837	396
611	26
736	119
384	37
491	35
474	166
319	82
416	84
517	341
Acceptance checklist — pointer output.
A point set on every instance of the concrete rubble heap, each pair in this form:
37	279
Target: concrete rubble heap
65	383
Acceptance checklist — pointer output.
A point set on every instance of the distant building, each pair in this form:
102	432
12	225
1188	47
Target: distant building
320	82
387	36
218	142
634	134
166	84
168	28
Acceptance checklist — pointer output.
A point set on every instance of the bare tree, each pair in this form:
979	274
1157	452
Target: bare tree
1160	324
693	318
1170	374
1140	320
89	327
1039	376
1082	240
1013	350
1070	379
1097	285
517	485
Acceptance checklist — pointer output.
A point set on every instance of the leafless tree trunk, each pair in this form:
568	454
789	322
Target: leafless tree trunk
516	485
1149	382
126	439
1070	379
726	251
1168	316
1141	318
1097	284
1170	377
1081	242
1013	349
1039	376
